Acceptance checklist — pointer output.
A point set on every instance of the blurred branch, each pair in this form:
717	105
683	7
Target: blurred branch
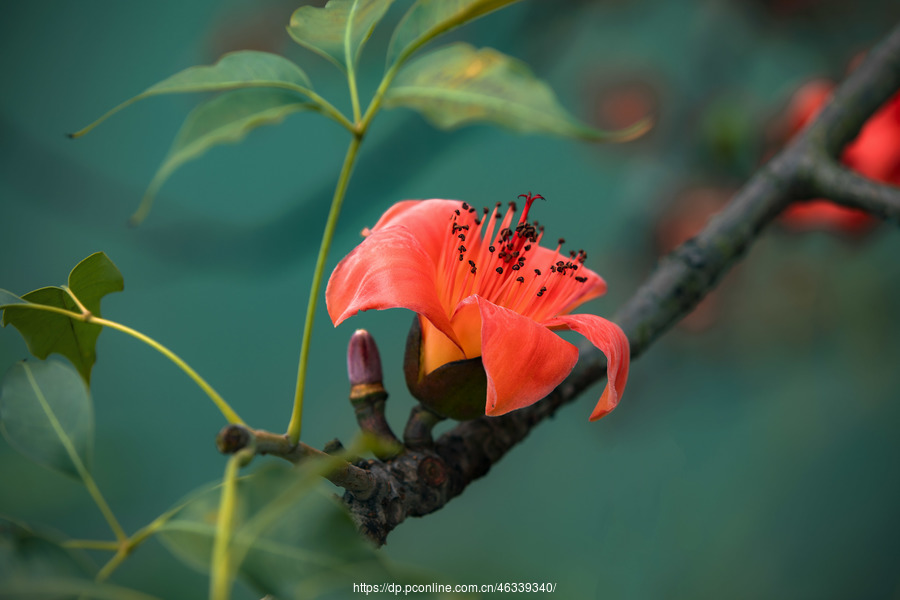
828	179
422	480
814	154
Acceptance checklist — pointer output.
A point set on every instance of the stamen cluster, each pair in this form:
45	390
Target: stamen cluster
510	268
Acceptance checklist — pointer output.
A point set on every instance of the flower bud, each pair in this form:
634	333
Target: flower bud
367	393
363	363
456	390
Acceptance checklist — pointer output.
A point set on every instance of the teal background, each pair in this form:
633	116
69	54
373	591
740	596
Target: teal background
755	458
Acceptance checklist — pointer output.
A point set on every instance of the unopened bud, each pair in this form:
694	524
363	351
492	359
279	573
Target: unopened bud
363	360
367	393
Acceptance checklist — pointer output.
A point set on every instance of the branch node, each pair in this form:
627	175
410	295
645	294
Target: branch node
417	434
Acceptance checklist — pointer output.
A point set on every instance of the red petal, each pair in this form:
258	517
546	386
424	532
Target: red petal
428	219
594	286
524	360
611	340
390	269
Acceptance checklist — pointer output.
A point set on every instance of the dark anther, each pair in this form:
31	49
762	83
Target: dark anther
460	258
516	267
472	263
473	270
462	236
537	271
527	247
462	248
465	206
562	241
540	293
513	206
491	248
553	269
471	210
520	279
581	279
457	212
500	270
559	263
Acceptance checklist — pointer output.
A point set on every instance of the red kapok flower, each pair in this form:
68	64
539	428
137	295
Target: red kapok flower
481	295
874	153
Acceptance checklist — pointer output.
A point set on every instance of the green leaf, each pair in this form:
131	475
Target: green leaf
47	332
458	84
226	119
46	414
9	298
299	540
28	555
242	69
427	19
339	30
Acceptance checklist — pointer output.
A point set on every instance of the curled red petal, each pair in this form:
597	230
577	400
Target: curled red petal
429	219
389	269
611	341
524	361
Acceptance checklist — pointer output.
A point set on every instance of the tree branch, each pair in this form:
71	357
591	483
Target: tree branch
423	479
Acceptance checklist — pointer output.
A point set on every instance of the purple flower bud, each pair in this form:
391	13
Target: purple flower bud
363	360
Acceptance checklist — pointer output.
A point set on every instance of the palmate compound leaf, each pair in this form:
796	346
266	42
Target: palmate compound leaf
241	69
47	332
226	119
427	19
46	413
458	84
339	30
295	540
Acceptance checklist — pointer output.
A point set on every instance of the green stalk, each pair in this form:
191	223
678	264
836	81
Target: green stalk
220	402
221	574
91	545
362	126
296	421
85	475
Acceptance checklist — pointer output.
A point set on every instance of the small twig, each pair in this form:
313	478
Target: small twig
233	438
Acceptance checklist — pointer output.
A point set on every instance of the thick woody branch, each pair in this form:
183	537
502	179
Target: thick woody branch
421	481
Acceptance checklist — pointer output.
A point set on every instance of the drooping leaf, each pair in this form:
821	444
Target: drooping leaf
427	19
28	555
339	30
457	84
46	413
295	540
226	119
47	332
242	69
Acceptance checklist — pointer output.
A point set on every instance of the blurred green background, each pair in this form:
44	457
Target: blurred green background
755	452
